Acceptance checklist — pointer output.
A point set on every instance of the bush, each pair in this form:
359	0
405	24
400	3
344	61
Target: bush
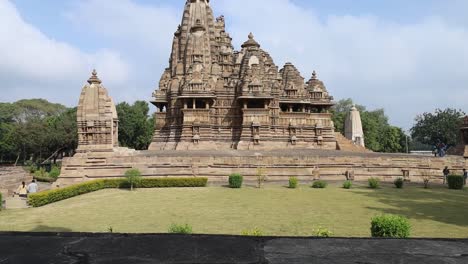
54	172
293	182
322	232
133	177
1	201
52	196
319	184
390	226
347	184
44	179
235	180
455	182
180	229
374	183
253	232
399	183
42	173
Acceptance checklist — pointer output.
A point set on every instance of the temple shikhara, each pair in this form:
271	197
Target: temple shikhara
221	111
213	97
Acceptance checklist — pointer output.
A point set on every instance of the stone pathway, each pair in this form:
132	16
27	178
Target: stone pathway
21	203
15	203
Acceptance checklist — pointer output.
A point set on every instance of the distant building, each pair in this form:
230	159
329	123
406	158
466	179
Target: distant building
353	127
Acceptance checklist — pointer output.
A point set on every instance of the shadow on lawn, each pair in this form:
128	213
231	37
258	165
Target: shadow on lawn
437	204
44	228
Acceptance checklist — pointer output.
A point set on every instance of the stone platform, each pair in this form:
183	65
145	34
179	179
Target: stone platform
305	164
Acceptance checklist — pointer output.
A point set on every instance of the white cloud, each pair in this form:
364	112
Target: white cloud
405	68
35	65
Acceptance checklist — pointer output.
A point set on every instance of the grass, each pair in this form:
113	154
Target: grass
276	210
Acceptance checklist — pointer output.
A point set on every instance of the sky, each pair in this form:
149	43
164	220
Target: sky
407	57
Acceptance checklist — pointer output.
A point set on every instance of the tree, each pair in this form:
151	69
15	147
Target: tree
133	177
135	127
379	135
441	126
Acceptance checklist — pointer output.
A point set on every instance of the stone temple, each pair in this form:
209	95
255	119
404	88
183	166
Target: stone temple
213	97
222	111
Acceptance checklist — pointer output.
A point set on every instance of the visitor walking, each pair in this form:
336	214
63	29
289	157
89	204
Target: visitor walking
32	187
465	175
446	172
22	190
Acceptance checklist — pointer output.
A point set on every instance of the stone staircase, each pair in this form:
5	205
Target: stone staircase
345	144
11	177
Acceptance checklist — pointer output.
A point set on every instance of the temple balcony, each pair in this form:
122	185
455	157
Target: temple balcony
197	90
305	119
199	116
256	115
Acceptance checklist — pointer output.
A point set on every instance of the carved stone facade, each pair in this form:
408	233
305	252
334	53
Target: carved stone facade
464	136
96	118
212	97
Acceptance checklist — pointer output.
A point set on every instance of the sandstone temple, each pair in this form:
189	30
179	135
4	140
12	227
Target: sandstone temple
222	111
214	97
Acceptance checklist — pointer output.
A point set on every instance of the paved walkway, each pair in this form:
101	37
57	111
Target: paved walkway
20	203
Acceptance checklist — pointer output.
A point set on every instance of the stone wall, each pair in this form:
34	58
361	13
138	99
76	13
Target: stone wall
278	165
11	177
41	248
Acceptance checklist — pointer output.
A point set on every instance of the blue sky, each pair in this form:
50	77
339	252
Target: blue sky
405	56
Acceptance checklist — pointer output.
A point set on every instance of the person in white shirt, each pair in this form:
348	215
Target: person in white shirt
32	187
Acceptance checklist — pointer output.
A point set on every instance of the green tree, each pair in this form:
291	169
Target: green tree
135	127
440	126
133	177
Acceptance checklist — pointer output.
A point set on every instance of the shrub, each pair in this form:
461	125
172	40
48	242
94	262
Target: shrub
253	232
374	183
44	179
133	177
52	196
54	172
235	180
426	180
180	229
1	202
319	184
455	182
399	183
322	232
390	226
293	182
347	184
41	173
261	177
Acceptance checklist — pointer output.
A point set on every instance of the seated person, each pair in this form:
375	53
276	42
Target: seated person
22	190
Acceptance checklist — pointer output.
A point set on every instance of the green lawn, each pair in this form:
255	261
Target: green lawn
276	210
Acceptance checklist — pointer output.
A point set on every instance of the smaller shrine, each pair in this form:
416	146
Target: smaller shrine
353	127
97	119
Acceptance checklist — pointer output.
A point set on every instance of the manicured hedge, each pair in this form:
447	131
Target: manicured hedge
235	180
390	226
52	196
1	201
455	182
